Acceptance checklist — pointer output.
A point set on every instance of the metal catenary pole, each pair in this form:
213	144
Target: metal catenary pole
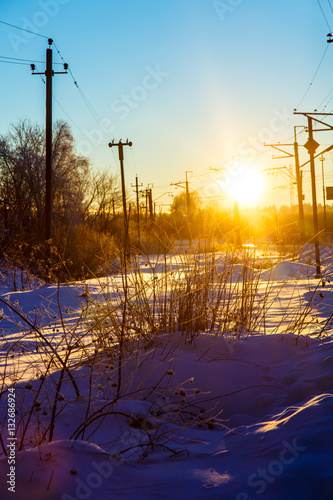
311	145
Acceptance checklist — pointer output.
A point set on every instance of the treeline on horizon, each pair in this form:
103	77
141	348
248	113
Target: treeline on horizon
88	229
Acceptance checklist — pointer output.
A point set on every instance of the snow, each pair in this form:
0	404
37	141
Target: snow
256	419
282	271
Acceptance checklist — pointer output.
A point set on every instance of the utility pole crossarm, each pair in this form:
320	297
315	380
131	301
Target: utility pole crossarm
33	66
127	143
178	184
217	169
278	148
311	115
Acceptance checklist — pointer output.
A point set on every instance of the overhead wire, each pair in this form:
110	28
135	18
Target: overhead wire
89	106
320	63
41	76
69	118
82	94
313	78
58	103
322	11
311	83
85	98
329	3
329	97
23	29
12	60
22	60
15	62
133	170
19	61
134	162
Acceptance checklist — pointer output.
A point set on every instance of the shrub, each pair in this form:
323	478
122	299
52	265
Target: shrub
84	252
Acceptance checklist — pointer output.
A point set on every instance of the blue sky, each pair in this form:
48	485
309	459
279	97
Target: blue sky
193	83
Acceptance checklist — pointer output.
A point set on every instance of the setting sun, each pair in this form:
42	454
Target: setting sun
166	244
244	185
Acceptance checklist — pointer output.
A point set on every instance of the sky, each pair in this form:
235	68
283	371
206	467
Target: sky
194	84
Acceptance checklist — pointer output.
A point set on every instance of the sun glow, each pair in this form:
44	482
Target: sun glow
244	185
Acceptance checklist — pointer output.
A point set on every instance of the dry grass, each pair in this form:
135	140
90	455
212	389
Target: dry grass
91	358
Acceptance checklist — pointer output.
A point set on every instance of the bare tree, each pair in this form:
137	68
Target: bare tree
102	201
22	177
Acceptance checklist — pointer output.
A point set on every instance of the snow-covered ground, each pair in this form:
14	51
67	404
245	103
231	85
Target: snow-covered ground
218	417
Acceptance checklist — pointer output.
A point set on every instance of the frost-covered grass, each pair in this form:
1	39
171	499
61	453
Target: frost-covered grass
187	359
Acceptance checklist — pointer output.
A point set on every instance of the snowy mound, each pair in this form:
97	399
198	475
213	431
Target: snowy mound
307	255
202	416
288	270
275	394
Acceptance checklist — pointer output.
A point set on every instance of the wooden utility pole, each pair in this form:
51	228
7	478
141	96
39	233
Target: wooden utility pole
49	73
188	198
120	146
188	202
150	202
48	146
137	185
146	199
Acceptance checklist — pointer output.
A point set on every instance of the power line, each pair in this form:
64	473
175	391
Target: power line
329	100
69	118
61	57
324	15
89	106
84	97
25	62
134	163
329	3
133	170
15	62
40	74
19	59
23	29
313	78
